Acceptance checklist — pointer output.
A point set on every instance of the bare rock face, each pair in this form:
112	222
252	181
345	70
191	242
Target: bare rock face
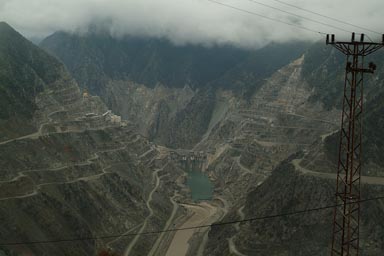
302	181
78	184
81	172
144	106
255	136
167	90
288	190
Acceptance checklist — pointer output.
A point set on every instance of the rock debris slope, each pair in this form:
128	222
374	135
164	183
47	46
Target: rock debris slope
76	170
167	90
265	120
306	179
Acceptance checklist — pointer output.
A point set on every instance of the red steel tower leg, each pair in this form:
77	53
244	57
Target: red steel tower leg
347	212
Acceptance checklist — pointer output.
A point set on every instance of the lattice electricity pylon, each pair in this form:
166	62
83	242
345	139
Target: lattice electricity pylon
347	212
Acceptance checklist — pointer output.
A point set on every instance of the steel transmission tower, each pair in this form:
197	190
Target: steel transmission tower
347	212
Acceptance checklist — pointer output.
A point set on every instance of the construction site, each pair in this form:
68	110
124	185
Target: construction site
193	136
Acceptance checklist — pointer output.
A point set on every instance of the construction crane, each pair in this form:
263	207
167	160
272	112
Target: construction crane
346	219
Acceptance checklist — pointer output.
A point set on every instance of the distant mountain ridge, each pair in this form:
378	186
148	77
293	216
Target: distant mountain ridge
115	68
152	61
93	58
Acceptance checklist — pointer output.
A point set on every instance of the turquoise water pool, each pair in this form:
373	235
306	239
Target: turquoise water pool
200	185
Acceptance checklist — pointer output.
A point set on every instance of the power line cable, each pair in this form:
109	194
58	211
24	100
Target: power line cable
186	228
370	39
325	16
299	16
266	17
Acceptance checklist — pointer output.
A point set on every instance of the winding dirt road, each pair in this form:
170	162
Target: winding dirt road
167	225
155	177
364	179
231	243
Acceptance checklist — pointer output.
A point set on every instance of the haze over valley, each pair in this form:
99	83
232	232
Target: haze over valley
213	131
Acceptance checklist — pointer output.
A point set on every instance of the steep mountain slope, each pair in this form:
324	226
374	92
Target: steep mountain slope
288	190
254	115
247	111
252	136
307	179
115	69
81	172
25	71
96	57
324	69
373	139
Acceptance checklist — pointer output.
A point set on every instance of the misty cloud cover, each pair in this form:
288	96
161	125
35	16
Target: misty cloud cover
192	21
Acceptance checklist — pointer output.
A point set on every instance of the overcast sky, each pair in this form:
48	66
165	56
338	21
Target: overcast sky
194	21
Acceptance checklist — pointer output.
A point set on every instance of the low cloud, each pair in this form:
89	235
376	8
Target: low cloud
194	21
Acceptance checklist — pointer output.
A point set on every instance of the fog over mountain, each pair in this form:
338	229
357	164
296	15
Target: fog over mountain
127	122
194	21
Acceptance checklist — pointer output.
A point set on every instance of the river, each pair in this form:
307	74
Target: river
201	212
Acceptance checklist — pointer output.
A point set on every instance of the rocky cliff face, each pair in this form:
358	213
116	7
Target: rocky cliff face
249	121
306	180
96	57
142	79
251	137
80	172
324	69
288	190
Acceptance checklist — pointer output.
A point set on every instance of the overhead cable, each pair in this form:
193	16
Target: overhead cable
325	16
299	16
180	229
266	17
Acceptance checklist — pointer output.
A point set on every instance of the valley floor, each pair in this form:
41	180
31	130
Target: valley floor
204	213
